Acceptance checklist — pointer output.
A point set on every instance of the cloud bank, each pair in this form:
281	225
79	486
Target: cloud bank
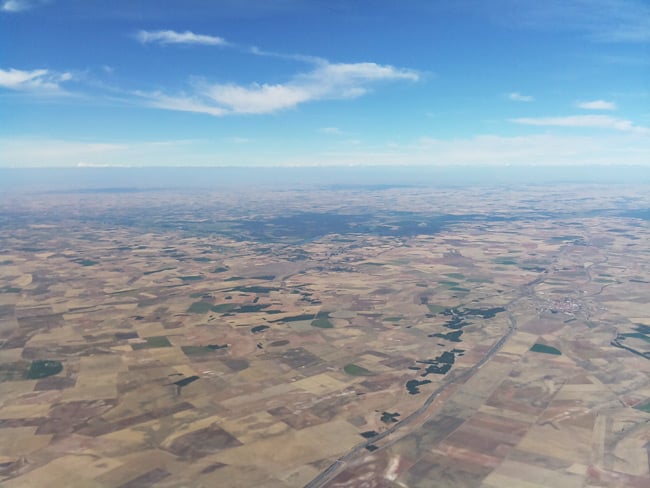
484	150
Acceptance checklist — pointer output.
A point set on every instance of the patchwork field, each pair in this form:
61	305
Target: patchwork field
359	337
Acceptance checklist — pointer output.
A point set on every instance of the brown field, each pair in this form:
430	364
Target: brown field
162	339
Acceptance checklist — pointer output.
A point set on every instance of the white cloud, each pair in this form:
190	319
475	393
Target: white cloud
593	121
13	6
173	37
16	79
256	99
597	105
325	81
38	80
518	97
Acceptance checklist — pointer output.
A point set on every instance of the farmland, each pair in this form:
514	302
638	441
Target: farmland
323	337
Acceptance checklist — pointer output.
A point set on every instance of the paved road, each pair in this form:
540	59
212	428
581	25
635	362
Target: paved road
338	465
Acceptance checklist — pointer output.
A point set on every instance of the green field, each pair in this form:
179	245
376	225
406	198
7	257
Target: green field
637	335
354	370
200	307
644	407
152	342
322	321
543	348
191	278
435	309
43	368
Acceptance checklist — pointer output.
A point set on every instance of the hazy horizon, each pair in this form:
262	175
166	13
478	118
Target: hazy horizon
166	178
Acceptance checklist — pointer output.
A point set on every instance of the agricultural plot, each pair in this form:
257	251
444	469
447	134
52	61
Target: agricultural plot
420	338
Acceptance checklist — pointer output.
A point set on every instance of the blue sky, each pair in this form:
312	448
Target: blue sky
305	83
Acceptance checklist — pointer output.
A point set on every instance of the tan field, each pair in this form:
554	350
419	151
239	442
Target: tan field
397	338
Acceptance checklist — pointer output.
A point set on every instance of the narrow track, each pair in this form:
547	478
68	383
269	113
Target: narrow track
332	470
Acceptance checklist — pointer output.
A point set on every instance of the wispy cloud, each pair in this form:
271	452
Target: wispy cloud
488	150
180	103
295	57
611	21
623	59
174	37
42	152
518	97
46	152
492	150
41	81
592	121
14	6
189	37
597	105
330	130
327	81
238	140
